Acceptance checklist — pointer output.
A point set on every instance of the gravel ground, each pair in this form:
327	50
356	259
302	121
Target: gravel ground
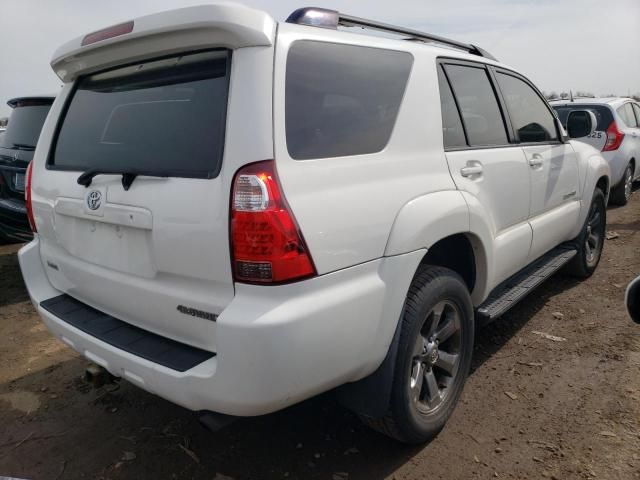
532	408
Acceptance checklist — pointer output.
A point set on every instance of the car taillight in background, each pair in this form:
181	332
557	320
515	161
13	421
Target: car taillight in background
267	245
614	138
27	198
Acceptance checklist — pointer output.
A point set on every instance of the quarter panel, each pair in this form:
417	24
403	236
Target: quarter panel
346	206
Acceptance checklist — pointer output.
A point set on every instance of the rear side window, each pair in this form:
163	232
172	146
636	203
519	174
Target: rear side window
531	119
636	110
603	114
24	125
342	99
452	130
480	112
163	116
627	115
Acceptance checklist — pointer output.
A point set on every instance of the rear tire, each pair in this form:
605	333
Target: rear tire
434	356
621	193
590	242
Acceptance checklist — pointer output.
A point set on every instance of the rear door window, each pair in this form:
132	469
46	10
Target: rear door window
481	114
164	116
636	110
342	99
532	120
452	129
627	115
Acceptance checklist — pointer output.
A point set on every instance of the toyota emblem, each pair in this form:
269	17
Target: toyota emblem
94	199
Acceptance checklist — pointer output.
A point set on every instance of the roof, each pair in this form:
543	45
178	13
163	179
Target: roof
612	101
43	98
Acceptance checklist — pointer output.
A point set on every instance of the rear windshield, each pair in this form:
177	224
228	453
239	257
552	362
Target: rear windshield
24	125
342	99
163	116
603	114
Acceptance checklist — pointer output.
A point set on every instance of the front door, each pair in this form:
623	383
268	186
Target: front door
552	164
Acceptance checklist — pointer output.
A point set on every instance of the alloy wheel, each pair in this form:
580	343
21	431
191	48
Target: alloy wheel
594	234
628	183
436	357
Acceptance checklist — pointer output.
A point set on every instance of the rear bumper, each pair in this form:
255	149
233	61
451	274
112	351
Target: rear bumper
276	345
13	221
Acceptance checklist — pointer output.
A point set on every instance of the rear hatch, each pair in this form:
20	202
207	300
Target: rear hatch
132	197
17	145
603	115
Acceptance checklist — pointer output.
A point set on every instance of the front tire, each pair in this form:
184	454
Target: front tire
590	242
621	194
434	356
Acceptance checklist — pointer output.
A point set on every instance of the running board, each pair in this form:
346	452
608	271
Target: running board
511	291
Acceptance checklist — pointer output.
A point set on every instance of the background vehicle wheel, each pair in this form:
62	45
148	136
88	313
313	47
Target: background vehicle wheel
622	192
591	239
434	356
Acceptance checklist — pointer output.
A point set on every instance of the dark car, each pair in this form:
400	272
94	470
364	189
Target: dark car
17	145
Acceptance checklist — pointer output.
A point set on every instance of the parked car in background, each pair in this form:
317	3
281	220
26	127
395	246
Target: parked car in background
16	151
617	136
339	212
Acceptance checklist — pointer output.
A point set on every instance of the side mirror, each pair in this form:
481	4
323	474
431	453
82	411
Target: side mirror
632	300
581	123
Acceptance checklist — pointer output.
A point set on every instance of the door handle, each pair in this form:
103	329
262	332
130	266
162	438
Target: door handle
471	170
536	160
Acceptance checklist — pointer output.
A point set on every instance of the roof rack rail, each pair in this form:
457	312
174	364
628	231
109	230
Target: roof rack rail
325	18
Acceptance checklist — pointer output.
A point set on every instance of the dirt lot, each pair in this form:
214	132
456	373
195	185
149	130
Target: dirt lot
532	408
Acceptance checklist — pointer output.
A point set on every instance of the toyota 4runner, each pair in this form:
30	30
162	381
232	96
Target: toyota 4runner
238	214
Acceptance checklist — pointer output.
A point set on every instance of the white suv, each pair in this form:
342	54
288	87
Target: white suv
328	209
617	135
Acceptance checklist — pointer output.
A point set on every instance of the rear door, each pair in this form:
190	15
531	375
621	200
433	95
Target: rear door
151	247
553	164
484	163
631	129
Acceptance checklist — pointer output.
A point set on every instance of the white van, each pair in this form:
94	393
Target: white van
237	214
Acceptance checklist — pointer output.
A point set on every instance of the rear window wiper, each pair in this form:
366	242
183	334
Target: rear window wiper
128	176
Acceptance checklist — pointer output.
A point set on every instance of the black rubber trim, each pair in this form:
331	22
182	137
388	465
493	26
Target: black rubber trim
139	342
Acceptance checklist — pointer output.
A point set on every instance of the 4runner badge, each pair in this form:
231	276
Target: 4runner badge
94	199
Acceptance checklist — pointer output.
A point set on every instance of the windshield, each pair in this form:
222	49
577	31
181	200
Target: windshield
164	116
24	126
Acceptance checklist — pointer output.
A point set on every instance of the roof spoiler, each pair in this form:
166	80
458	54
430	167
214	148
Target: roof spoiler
322	17
165	33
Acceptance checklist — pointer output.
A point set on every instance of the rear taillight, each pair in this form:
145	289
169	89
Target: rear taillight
27	198
614	138
267	245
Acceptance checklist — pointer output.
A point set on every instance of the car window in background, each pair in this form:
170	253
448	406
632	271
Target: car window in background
480	112
636	110
627	115
342	99
529	114
451	123
24	126
603	114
